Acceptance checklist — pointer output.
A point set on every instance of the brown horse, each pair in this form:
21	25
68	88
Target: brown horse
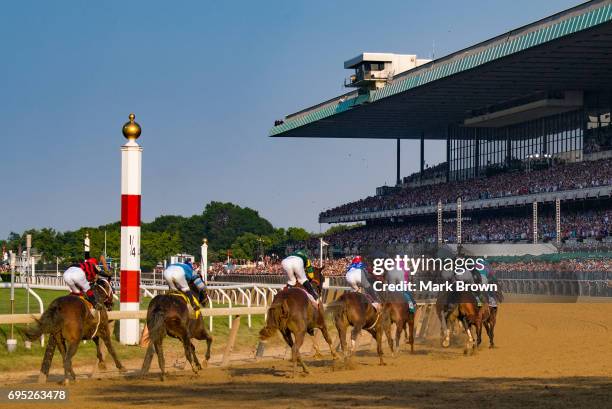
356	310
168	314
462	306
293	314
399	314
68	320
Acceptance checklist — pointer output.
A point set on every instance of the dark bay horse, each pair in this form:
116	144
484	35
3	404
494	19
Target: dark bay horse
169	314
355	309
68	320
293	314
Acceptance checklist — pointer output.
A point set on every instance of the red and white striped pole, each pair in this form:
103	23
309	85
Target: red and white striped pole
131	160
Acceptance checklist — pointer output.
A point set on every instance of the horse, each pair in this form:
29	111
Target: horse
68	321
396	311
399	314
293	313
462	306
356	310
169	314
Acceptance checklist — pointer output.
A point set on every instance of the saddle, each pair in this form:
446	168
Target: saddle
374	303
90	307
194	314
314	302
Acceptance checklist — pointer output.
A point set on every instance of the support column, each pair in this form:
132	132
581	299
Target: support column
131	165
448	155
422	154
459	220
476	154
440	238
558	220
535	222
397	177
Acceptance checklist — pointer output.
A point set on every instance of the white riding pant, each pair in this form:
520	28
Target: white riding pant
294	268
353	277
175	277
76	280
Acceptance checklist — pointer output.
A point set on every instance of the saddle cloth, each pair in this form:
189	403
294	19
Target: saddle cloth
192	313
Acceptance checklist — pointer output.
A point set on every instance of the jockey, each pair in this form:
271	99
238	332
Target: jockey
358	277
397	277
487	276
179	276
298	268
79	276
354	272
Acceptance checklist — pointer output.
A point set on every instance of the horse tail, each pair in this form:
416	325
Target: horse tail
48	322
156	324
275	313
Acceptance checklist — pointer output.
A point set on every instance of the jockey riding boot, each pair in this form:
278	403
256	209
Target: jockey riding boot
192	300
308	287
202	298
410	301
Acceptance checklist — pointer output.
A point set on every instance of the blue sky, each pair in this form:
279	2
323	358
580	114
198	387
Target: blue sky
206	81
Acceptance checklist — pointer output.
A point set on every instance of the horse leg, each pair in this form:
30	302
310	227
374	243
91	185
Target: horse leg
490	326
188	351
159	350
106	338
377	335
101	364
146	364
389	337
195	357
444	329
328	339
46	364
61	347
354	336
411	332
400	326
70	351
470	342
295	352
341	326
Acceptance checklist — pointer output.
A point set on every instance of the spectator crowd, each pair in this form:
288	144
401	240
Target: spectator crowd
556	178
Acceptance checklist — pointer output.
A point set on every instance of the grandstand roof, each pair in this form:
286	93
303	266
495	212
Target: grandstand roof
569	50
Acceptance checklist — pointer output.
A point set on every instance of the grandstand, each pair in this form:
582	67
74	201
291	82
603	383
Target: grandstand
526	120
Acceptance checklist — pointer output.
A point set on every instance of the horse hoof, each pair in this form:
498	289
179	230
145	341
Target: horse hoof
317	355
122	369
65	382
446	343
42	378
101	366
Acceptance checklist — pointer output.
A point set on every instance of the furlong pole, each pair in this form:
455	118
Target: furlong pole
131	164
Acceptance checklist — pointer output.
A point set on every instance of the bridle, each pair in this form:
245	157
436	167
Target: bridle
104	286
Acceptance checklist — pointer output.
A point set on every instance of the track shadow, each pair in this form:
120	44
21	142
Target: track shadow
573	392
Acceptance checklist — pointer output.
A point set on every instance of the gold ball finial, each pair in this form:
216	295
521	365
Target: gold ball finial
131	130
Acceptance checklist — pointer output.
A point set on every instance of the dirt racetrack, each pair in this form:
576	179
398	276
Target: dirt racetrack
547	355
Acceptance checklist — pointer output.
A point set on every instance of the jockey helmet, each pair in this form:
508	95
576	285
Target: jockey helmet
356	259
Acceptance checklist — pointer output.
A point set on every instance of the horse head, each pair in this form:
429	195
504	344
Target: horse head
103	292
318	278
